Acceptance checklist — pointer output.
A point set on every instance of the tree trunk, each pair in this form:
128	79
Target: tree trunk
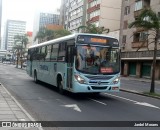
17	59
152	89
21	60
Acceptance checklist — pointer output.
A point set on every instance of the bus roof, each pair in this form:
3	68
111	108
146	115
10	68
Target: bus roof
72	36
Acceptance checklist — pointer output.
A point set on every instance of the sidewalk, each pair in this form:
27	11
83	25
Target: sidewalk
139	89
11	110
140	79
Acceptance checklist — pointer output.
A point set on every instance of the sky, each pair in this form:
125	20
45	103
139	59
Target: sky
25	10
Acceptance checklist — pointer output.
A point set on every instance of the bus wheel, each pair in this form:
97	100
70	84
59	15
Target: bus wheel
35	77
60	87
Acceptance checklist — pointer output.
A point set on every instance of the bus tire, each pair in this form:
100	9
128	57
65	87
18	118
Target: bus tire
35	77
60	87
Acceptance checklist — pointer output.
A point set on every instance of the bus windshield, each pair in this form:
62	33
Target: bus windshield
97	59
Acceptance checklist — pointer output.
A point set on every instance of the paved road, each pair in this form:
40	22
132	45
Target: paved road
44	103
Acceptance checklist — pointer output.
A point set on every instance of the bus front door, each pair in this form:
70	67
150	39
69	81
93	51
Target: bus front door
70	60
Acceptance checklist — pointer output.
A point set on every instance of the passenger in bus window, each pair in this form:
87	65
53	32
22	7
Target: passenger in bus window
104	57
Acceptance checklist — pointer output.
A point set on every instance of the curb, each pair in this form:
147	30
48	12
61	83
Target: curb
139	93
140	79
19	105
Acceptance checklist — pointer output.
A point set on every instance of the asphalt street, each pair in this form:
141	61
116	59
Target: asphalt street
44	103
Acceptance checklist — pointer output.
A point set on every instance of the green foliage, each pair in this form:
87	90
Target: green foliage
45	34
20	43
92	28
61	33
149	20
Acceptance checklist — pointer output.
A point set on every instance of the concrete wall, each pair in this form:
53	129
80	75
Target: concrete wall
107	9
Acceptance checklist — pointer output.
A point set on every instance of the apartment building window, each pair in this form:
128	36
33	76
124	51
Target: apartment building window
124	39
127	10
140	36
125	26
73	3
138	5
95	13
93	3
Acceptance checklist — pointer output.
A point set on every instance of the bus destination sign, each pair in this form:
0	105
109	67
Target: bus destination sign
99	40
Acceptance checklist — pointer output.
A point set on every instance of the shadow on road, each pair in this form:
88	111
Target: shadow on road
77	96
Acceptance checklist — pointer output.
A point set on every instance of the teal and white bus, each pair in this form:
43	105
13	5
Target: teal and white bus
79	63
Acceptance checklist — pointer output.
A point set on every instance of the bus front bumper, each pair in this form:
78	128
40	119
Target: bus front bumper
90	88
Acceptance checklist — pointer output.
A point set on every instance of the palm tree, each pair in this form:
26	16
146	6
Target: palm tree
149	20
92	28
20	43
44	34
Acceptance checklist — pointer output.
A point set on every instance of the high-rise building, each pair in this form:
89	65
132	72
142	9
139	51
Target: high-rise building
98	12
104	13
137	63
73	14
43	19
62	12
0	21
13	28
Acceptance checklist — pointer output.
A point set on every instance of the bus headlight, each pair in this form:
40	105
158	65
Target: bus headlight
79	79
116	80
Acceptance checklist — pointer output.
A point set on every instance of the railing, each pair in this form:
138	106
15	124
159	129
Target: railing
137	13
139	44
139	54
91	9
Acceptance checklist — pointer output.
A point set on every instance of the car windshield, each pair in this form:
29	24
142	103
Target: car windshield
97	60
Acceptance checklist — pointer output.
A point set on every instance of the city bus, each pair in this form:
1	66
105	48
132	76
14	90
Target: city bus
78	63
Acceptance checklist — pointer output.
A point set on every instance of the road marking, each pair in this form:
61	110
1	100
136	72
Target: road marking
147	104
74	106
98	101
121	97
135	102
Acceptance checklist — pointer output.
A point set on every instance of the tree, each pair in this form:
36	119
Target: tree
20	43
92	28
44	34
149	20
61	33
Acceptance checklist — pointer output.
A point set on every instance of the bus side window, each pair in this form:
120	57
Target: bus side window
62	51
32	54
43	53
54	52
48	53
37	55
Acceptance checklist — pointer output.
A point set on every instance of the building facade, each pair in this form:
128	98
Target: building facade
43	19
0	21
98	12
13	28
73	14
137	55
104	13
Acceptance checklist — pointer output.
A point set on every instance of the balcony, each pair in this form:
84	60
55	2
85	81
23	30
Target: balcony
139	44
89	1
94	19
145	3
140	55
137	13
96	7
